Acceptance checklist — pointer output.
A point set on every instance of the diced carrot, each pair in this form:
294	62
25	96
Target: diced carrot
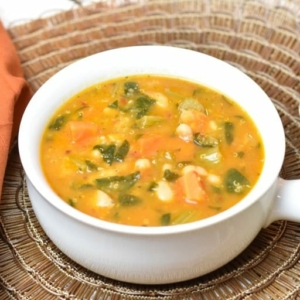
183	151
179	189
150	145
82	132
193	187
198	121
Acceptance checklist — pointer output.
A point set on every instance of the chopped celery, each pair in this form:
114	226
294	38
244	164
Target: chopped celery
149	121
184	217
191	103
211	155
205	141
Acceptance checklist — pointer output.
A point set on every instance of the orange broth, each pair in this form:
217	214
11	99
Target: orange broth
151	151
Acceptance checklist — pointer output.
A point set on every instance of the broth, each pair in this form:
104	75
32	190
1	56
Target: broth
149	150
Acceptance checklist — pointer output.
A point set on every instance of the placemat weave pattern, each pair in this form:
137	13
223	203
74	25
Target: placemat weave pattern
259	37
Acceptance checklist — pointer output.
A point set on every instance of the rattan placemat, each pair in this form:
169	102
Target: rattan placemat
259	37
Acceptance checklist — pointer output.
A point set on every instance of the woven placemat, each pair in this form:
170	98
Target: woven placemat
259	37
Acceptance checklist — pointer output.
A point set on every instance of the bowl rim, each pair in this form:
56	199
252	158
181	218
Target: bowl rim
55	201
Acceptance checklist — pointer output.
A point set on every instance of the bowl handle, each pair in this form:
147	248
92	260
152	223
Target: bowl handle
286	204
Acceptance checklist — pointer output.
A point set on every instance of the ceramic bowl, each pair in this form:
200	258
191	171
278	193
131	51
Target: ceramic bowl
157	255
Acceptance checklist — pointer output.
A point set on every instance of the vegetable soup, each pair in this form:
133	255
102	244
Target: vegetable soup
149	150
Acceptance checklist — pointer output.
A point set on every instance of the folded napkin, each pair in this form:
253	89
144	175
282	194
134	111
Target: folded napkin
14	96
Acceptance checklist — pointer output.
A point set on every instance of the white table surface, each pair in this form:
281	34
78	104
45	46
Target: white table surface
21	11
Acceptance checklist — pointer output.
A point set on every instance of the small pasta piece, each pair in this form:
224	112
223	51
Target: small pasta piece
192	168
164	191
142	163
214	179
185	132
103	200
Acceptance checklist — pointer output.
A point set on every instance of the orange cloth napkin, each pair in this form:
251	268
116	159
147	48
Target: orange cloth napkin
14	96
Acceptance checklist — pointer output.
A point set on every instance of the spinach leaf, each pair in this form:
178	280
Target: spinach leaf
118	183
205	141
229	132
165	219
122	151
170	176
59	122
72	202
107	152
152	187
91	166
128	200
142	106
235	181
111	153
114	105
130	87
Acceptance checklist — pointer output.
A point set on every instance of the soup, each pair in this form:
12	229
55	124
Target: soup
150	150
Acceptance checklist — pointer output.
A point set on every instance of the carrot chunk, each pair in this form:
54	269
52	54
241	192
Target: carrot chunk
81	132
193	187
197	120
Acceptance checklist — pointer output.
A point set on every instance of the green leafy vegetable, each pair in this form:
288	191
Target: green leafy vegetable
217	208
240	154
128	200
72	202
205	141
142	106
59	122
111	153
114	105
122	151
107	152
229	132
170	176
91	166
165	219
130	87
152	186
118	183
235	181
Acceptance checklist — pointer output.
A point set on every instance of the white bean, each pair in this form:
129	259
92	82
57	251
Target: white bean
142	163
164	191
214	179
103	200
185	132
